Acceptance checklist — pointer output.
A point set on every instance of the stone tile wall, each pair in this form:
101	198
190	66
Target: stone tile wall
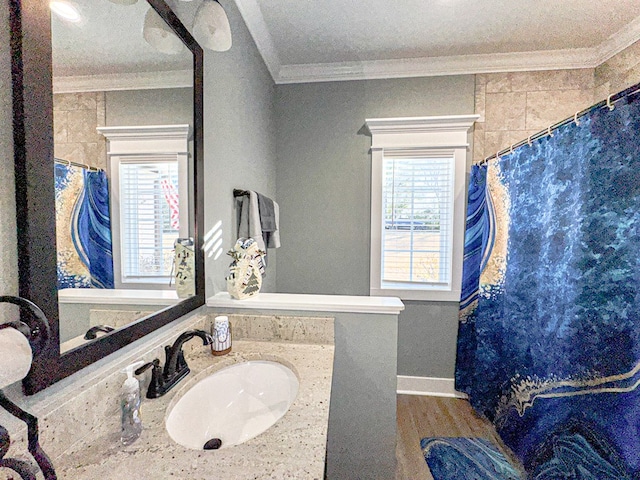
619	72
75	118
515	105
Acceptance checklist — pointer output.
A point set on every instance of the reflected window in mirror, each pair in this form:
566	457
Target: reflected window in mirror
150	176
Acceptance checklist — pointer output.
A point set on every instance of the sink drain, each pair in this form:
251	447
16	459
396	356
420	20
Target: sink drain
213	444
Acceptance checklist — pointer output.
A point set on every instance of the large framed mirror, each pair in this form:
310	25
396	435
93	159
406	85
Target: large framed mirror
108	166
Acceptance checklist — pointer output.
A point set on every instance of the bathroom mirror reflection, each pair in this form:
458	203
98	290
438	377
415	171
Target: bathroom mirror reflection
123	146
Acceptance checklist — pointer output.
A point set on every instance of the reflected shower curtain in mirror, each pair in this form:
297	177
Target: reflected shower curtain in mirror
83	228
549	332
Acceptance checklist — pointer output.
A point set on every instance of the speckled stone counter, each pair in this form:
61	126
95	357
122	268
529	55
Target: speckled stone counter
292	448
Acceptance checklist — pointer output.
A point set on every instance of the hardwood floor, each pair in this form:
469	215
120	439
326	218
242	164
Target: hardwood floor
421	416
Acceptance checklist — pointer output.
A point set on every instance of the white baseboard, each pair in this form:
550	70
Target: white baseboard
428	386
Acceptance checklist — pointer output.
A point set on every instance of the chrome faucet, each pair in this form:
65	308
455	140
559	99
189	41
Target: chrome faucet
175	367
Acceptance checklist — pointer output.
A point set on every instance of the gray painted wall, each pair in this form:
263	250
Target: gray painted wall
323	173
149	107
239	139
361	439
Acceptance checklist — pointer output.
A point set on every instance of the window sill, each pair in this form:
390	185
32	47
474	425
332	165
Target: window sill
423	295
114	296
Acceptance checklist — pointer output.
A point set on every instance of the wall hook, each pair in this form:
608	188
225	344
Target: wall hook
609	104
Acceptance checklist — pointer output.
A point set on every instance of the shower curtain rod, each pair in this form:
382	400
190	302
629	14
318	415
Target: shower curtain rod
76	164
609	103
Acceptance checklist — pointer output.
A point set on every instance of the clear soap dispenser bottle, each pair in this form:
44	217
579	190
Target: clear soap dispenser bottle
130	406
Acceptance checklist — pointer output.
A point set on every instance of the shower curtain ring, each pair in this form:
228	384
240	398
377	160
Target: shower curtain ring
609	104
575	118
529	140
511	148
549	132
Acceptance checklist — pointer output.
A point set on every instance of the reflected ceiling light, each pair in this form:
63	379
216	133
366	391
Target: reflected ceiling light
65	10
159	35
211	26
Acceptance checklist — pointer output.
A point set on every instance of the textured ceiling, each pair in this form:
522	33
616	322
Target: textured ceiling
108	40
372	39
350	30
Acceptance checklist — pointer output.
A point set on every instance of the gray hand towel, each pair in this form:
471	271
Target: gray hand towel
267	214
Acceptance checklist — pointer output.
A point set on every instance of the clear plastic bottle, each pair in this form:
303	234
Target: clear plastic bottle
130	406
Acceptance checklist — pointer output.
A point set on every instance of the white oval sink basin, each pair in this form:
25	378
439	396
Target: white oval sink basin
234	404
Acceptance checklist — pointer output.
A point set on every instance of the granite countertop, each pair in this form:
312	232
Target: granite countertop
292	448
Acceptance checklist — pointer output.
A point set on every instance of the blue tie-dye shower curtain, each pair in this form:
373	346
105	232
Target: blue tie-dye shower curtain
83	228
549	333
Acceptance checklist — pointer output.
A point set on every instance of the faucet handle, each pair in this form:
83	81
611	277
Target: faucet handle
155	386
155	363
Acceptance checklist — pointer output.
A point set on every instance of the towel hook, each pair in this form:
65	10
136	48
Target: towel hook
575	118
609	104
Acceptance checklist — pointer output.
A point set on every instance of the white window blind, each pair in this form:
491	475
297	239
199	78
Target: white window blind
149	216
417	211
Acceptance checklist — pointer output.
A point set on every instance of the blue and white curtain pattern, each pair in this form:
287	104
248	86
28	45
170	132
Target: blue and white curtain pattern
83	228
549	333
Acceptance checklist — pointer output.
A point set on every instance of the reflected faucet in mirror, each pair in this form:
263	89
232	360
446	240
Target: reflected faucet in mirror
92	333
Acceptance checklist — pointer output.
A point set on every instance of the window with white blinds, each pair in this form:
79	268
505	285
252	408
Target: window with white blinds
150	201
149	216
417	220
418	169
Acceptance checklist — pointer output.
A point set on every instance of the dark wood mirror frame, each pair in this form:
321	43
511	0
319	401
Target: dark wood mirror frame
34	182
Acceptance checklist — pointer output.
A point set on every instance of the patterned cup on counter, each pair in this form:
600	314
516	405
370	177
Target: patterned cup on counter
221	335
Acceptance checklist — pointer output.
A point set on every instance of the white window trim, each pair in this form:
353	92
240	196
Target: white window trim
424	136
155	142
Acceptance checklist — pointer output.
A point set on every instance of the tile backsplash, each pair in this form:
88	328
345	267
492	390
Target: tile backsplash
281	328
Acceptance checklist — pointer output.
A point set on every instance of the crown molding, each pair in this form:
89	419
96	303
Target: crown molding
625	37
563	59
437	66
123	81
252	16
